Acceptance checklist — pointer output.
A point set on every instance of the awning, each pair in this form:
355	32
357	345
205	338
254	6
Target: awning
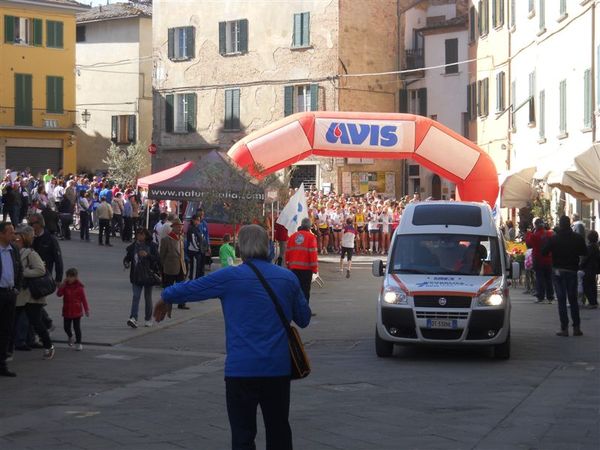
164	175
579	174
516	188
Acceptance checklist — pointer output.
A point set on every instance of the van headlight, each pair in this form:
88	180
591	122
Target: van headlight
492	297
394	296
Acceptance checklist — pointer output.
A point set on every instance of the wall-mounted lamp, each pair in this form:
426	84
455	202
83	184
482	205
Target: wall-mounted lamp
85	116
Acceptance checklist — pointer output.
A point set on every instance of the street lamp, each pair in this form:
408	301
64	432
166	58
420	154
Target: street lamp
85	115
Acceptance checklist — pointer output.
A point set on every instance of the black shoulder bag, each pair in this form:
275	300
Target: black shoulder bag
300	362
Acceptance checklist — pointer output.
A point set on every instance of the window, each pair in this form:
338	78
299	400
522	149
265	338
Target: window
542	117
123	129
562	95
531	121
472	23
233	37
498	13
484	17
54	34
232	109
180	113
472	100
483	88
23	99
301	36
80	33
513	104
22	30
563	8
587	99
500	91
181	43
414	101
513	14
451	55
301	98
54	95
542	16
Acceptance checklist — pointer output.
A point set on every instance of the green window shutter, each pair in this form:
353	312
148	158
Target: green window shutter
486	19
54	95
563	7
314	97
131	131
169	112
486	96
562	89
513	16
114	128
587	98
471	24
222	39
190	42
297	38
480	17
171	43
50	35
235	116
306	29
9	29
59	35
228	109
501	13
451	55
243	44
403	106
288	100
59	95
37	32
469	101
190	101
542	109
23	99
542	14
494	16
422	94
50	94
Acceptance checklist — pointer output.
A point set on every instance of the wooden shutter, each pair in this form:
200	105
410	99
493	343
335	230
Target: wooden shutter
494	15
59	35
23	99
50	94
297	38
169	100
500	17
37	32
452	55
542	112
314	97
235	110
171	43
228	109
587	98
403	101
563	106
190	101
486	96
9	29
480	17
542	15
469	112
288	100
114	128
243	45
513	5
190	42
59	95
306	29
422	94
131	129
222	38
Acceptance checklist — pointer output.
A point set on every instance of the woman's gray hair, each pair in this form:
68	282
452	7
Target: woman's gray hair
25	231
253	242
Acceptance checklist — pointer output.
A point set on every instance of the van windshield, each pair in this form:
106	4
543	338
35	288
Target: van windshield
446	254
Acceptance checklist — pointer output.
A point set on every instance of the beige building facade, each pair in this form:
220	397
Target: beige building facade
114	81
224	70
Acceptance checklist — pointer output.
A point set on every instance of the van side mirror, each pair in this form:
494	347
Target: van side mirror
378	268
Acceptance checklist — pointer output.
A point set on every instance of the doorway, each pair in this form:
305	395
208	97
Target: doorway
436	187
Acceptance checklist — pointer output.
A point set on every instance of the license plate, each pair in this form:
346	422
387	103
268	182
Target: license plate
441	323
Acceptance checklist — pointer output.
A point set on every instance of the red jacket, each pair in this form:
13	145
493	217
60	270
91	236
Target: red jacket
74	301
536	240
301	252
281	233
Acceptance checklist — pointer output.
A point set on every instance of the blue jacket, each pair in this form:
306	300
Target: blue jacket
257	344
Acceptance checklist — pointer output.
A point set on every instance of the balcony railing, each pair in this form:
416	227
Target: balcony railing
415	58
37	119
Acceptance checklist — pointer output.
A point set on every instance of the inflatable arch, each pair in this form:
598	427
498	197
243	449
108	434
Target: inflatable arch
371	135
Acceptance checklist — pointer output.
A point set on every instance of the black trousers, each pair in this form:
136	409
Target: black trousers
305	278
273	395
34	315
76	327
7	321
84	225
196	269
590	288
104	226
66	220
126	234
117	224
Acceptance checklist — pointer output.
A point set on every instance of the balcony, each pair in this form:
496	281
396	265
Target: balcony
415	59
37	120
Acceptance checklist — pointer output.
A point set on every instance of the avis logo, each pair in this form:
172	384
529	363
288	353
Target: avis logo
357	134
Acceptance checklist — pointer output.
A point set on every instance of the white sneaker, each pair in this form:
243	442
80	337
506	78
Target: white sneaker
148	323
71	341
49	353
132	322
79	347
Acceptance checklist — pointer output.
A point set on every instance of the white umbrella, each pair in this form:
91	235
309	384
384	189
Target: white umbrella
516	188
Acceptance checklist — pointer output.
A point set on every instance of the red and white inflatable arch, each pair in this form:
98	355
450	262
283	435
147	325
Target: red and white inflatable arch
371	135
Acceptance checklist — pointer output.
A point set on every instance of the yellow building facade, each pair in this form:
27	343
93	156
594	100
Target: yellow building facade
37	85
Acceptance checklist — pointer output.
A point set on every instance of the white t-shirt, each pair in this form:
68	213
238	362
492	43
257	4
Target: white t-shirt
373	223
348	237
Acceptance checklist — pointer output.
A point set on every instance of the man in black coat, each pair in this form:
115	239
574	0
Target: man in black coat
47	246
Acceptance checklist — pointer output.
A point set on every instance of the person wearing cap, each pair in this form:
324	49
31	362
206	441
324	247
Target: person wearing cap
172	257
542	264
301	255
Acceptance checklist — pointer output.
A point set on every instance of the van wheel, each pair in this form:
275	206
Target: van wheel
502	351
384	349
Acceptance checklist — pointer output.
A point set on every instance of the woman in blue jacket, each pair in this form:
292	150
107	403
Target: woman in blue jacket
258	366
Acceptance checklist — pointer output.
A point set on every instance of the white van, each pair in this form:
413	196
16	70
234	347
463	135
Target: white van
445	281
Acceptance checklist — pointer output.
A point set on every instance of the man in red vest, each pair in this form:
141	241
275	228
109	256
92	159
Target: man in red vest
542	264
301	256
